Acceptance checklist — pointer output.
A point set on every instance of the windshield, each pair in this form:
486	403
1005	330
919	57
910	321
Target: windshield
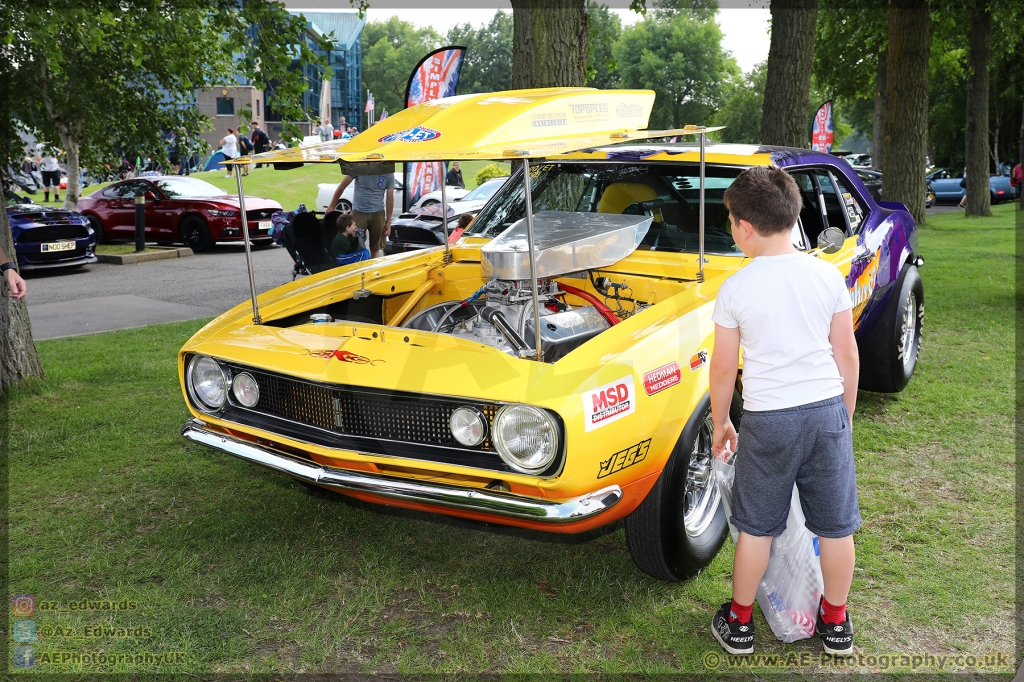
670	194
187	188
485	191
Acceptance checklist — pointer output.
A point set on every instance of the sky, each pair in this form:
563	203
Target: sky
744	23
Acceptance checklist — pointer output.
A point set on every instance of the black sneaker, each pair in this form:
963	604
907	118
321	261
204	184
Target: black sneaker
735	637
836	639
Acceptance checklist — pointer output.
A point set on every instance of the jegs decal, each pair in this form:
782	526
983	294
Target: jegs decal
624	458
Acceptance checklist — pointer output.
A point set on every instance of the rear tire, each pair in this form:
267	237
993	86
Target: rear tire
680	526
97	227
888	353
195	234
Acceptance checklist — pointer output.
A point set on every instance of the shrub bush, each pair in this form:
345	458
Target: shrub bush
489	172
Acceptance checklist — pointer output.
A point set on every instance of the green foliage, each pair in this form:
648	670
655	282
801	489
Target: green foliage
489	172
488	63
679	55
850	38
605	29
391	50
108	78
742	109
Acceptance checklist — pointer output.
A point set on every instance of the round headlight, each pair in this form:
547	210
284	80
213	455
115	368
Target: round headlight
468	426
208	382
526	438
246	390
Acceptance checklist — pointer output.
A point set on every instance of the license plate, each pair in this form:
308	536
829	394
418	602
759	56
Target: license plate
58	246
265	224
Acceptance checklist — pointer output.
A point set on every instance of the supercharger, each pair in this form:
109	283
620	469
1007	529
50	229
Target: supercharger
500	314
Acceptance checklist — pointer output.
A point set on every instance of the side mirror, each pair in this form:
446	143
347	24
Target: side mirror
831	240
151	197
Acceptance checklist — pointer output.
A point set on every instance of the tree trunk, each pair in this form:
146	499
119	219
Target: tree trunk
18	357
549	43
905	137
877	148
787	89
74	190
979	197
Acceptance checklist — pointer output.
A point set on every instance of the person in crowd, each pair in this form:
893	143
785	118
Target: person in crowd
174	151
373	202
1017	180
464	221
50	169
454	178
229	147
28	166
963	183
325	130
245	148
792	315
260	141
9	273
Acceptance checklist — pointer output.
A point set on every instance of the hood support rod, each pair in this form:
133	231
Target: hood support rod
444	212
533	259
245	236
700	225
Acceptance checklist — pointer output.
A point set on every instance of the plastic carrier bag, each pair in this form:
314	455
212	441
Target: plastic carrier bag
792	584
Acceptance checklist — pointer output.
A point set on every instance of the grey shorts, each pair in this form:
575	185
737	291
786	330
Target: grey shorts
810	445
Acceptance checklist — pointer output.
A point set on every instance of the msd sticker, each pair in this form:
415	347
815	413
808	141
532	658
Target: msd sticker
607	403
416	134
658	380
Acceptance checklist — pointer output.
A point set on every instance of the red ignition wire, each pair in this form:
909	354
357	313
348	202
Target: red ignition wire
587	296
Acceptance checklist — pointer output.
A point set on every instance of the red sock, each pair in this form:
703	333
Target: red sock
739	612
832	614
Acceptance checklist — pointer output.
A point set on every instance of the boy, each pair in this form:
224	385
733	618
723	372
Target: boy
792	314
346	242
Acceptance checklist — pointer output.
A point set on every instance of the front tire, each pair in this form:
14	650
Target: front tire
97	227
195	234
343	206
680	526
888	353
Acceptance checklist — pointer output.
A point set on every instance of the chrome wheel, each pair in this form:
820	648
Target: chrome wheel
701	494
907	350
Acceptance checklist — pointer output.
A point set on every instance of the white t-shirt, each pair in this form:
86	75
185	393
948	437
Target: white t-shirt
783	306
48	163
230	147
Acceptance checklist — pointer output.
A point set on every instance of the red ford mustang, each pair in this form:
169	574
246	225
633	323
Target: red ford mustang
178	209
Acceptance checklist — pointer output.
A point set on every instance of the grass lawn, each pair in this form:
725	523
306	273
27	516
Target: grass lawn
289	188
244	571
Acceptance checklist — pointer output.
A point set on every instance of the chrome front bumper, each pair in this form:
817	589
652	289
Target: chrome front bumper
426	492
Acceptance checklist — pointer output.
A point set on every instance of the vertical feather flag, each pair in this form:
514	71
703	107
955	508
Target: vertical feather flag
822	132
436	76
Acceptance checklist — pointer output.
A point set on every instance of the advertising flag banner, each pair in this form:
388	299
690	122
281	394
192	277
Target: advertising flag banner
822	133
436	76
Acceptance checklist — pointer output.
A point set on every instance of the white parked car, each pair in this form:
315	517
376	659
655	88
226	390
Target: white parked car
454	194
475	199
325	190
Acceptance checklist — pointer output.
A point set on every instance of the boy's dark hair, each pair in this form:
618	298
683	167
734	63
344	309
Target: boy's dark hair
465	219
344	221
767	198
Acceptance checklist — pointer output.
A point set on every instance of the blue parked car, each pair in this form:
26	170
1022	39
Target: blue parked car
46	237
946	183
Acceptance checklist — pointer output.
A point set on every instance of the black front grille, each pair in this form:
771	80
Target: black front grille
261	214
52	233
389	416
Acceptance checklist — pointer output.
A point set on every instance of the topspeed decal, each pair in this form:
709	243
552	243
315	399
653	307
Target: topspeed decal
416	134
658	380
607	403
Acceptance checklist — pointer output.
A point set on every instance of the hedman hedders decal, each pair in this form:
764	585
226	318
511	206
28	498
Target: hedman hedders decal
607	403
624	458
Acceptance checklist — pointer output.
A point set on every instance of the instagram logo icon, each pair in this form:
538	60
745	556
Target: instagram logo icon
23	604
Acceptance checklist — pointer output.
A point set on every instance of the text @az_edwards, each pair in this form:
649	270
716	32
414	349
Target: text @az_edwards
716	660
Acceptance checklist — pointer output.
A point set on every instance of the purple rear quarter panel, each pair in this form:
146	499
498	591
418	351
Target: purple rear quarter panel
888	231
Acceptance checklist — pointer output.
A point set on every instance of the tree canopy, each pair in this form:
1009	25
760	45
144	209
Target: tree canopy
391	50
488	63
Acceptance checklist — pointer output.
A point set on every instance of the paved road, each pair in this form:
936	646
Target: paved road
103	297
